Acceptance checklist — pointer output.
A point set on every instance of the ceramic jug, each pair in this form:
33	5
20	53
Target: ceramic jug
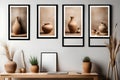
10	66
72	25
102	28
16	28
47	28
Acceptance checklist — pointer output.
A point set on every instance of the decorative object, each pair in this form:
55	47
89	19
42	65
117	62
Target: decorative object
10	66
87	65
34	64
48	62
19	22
23	69
99	29
47	28
113	48
102	28
16	28
47	21
73	25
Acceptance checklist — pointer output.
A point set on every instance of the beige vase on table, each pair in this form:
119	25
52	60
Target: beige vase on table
10	66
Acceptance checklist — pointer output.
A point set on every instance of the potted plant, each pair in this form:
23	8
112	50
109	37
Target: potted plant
10	66
34	64
87	65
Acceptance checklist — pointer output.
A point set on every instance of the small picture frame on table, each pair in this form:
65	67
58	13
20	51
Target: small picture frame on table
48	62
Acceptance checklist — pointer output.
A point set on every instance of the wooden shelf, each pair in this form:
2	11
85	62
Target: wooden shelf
46	75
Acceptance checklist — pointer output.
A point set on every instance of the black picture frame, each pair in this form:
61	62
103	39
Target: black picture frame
67	11
54	54
47	13
19	14
96	36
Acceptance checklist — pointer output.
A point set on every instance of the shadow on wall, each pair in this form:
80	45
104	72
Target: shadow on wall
96	68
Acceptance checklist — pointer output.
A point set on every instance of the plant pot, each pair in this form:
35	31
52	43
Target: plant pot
10	67
34	68
47	28
72	25
87	67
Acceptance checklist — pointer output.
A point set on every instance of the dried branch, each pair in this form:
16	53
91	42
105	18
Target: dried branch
8	55
7	51
110	50
12	55
23	59
116	50
113	48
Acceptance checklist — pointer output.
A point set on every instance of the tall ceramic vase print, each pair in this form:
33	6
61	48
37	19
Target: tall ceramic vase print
72	25
16	28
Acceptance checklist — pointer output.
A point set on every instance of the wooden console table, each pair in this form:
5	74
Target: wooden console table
46	75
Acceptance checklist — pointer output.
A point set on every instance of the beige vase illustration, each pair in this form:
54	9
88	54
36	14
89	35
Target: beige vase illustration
16	28
72	25
102	28
47	28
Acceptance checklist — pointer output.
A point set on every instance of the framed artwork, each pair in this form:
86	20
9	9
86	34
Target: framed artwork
73	25
48	62
47	21
99	24
19	22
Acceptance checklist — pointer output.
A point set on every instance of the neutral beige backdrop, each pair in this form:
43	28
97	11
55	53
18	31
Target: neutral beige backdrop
76	13
47	15
22	13
98	15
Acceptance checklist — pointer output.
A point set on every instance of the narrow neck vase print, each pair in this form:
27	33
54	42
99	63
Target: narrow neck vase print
72	25
16	28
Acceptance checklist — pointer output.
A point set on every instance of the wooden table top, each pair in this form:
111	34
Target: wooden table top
48	75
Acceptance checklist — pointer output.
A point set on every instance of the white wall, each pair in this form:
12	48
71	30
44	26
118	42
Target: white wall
70	58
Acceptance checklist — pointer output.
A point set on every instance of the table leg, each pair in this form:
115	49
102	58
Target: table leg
2	78
9	79
96	78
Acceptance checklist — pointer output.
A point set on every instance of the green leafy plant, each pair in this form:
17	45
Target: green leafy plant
33	60
86	59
